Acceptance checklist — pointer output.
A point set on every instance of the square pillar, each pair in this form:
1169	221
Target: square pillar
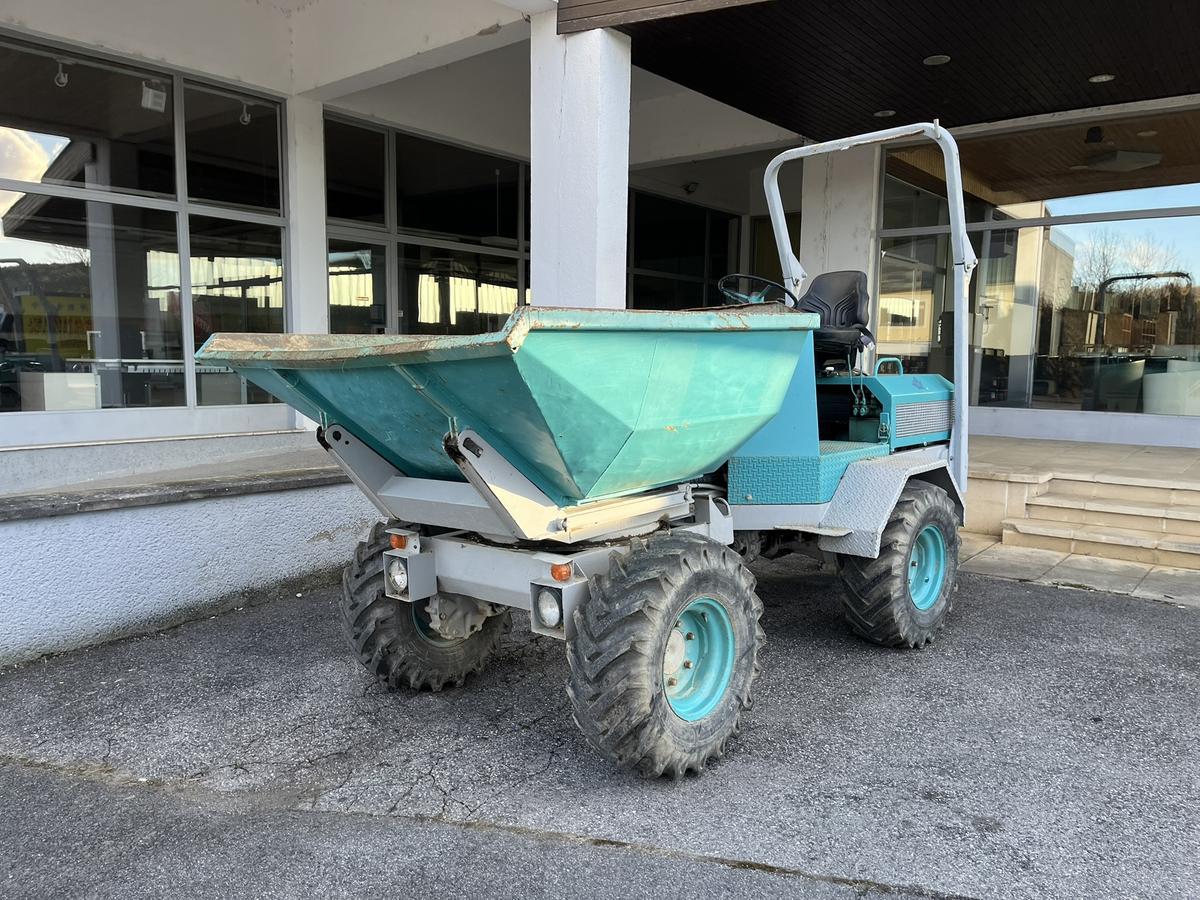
579	169
839	214
307	271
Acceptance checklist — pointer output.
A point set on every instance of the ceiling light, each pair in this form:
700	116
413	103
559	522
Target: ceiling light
1149	132
1102	78
937	59
884	113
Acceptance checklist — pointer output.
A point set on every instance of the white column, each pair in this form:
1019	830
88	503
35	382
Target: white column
307	272
579	151
839	212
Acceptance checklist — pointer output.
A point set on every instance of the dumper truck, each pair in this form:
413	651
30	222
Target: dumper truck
611	474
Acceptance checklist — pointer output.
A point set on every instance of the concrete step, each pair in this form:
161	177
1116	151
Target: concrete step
1138	515
1164	548
1173	490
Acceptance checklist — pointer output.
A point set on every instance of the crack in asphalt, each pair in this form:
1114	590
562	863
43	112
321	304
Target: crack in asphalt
264	799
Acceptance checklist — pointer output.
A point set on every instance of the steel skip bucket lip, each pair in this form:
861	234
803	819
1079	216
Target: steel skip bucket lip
587	404
307	350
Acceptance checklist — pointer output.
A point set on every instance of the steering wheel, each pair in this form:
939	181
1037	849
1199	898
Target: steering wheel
730	284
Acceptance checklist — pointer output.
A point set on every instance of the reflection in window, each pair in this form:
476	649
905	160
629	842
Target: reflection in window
454	292
764	255
678	252
1098	316
1106	165
232	148
64	120
355	163
357	288
237	285
912	320
1102	317
89	306
447	192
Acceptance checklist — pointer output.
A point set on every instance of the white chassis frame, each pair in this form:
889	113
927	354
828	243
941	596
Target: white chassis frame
501	539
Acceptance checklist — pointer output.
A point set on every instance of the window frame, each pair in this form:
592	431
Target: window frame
28	428
392	237
1031	422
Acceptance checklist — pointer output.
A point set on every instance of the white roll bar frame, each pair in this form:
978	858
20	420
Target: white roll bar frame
964	257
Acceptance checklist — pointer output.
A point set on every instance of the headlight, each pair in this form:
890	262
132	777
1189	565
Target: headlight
548	609
398	576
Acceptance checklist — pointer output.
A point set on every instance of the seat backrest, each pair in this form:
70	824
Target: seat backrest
839	298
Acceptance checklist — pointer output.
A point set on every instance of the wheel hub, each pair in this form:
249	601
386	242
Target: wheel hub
698	659
927	567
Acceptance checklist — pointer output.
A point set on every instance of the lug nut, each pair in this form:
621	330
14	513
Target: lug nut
689	637
687	663
672	681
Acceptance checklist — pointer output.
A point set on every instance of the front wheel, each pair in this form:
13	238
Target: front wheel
396	640
665	655
902	597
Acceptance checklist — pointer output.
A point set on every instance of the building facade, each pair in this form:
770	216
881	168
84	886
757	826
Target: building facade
168	171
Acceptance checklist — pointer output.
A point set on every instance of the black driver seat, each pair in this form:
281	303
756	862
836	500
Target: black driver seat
842	302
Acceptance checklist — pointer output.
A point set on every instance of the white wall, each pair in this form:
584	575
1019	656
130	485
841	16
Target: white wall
91	577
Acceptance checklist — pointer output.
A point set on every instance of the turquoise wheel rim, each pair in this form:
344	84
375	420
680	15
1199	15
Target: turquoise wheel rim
927	567
698	659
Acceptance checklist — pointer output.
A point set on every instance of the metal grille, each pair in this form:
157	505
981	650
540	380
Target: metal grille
922	418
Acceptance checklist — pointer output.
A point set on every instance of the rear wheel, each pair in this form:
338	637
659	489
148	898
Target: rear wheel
902	598
396	640
665	655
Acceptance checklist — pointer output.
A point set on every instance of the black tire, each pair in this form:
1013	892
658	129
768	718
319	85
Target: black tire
394	640
616	680
878	603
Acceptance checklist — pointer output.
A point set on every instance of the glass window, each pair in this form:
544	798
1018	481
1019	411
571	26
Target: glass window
455	194
355	164
89	306
668	236
237	285
764	255
454	292
357	288
680	242
232	148
657	292
64	120
1100	317
912	319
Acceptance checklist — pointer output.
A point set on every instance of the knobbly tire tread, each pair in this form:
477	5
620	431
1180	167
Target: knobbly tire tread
876	599
615	657
384	637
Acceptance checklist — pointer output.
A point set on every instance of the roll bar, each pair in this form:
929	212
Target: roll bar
964	256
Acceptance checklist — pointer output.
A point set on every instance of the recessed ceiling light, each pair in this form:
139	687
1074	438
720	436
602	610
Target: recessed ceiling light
1149	132
1101	78
937	59
884	113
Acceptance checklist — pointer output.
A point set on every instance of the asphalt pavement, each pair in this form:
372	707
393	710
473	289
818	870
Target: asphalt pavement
1048	744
